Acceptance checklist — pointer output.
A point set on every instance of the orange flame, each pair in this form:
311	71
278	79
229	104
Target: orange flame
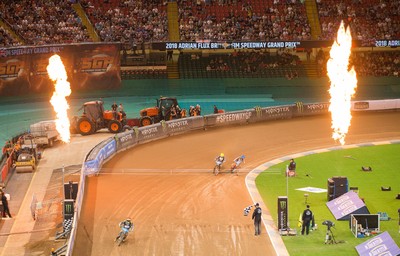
343	84
57	74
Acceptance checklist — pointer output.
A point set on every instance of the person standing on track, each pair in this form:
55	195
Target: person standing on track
257	213
306	218
4	201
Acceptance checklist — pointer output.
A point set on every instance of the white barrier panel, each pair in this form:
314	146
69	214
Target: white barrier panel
375	105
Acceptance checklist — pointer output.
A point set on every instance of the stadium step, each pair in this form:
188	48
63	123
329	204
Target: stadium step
311	68
173	23
86	22
11	31
172	70
313	20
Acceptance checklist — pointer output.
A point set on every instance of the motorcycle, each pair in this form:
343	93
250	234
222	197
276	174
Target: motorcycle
123	234
217	167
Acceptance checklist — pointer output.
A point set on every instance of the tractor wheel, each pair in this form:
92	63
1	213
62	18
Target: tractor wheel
114	126
146	120
85	126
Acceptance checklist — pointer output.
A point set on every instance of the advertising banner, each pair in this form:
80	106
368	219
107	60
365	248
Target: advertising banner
382	244
23	70
91	167
235	117
310	109
282	213
125	140
151	132
345	205
183	125
178	126
276	113
208	45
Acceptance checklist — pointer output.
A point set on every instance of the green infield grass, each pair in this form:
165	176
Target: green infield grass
314	170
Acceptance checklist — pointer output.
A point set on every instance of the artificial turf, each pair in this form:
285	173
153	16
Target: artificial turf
314	171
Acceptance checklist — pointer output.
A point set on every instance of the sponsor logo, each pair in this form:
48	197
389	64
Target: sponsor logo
341	200
68	207
97	63
233	117
277	110
126	138
373	243
320	106
300	107
136	130
178	124
3	52
163	125
149	131
258	111
361	105
11	68
380	250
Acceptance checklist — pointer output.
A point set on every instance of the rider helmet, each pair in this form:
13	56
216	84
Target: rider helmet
242	156
222	155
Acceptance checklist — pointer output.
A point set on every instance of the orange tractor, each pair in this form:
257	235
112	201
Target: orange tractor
94	118
160	112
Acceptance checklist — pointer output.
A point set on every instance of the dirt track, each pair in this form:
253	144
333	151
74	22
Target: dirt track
180	208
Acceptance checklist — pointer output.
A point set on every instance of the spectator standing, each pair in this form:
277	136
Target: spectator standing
215	110
4	201
292	165
306	218
114	108
257	219
121	110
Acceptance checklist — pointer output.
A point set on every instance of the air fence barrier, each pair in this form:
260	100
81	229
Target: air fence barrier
106	149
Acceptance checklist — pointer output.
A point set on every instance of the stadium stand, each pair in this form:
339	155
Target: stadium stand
44	21
138	23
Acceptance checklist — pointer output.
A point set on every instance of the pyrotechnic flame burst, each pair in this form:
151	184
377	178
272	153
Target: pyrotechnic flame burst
58	75
343	84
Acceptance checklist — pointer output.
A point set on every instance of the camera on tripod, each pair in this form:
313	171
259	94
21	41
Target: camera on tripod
328	223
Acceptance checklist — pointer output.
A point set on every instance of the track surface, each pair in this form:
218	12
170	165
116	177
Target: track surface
180	208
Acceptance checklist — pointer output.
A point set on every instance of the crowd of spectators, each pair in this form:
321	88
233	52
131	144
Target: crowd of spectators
372	19
376	63
6	39
131	21
137	21
240	20
367	63
248	62
44	21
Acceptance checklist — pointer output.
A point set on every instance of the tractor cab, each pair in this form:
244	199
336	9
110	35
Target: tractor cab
160	112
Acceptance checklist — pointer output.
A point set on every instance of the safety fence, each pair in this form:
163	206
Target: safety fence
106	149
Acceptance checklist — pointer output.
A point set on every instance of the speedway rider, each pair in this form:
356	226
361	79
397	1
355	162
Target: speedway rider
220	159
236	162
126	226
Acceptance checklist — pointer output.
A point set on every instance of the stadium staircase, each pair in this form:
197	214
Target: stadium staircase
311	68
312	16
86	22
8	28
173	33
